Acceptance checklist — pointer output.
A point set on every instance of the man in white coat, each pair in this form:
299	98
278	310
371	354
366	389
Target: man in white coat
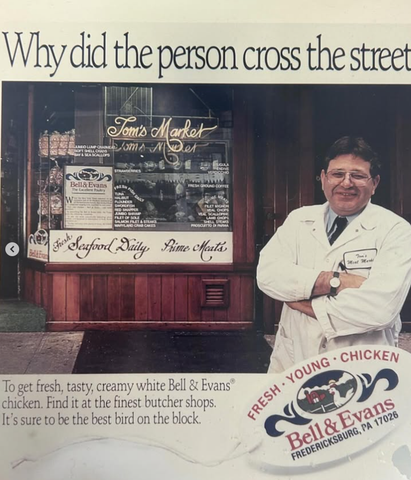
343	269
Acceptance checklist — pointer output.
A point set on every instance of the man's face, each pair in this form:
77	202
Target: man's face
346	196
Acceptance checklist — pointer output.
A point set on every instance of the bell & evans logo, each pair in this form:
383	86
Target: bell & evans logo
89	174
328	409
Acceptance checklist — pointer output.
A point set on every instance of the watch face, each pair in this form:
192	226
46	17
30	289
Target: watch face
335	282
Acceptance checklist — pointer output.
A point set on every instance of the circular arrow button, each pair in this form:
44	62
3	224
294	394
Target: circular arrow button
12	249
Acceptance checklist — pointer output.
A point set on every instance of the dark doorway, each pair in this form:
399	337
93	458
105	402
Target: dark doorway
14	123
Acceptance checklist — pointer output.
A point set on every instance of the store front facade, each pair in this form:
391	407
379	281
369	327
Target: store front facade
145	207
131	218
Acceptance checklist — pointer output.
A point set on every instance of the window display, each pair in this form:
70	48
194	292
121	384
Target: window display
190	192
52	148
172	160
131	158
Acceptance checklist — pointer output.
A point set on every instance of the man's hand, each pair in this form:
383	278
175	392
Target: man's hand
304	306
348	280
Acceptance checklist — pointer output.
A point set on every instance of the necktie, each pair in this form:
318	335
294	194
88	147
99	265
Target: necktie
340	223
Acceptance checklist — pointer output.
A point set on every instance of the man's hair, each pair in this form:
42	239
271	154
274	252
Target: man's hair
356	146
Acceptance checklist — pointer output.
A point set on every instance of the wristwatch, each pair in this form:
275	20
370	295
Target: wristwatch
335	282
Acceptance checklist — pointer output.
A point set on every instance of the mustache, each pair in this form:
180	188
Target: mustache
345	190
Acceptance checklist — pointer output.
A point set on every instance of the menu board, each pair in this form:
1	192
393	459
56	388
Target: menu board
88	197
192	192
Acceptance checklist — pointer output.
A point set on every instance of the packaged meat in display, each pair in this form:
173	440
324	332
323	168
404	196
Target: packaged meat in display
52	204
62	149
55	176
54	144
71	142
44	144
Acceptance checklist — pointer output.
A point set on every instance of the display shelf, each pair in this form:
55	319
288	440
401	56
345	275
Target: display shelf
55	151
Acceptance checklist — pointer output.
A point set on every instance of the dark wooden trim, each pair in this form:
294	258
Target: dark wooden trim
239	177
34	265
108	268
117	268
250	166
30	156
119	325
141	299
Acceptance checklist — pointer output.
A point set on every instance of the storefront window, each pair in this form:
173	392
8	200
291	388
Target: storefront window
171	171
51	147
130	158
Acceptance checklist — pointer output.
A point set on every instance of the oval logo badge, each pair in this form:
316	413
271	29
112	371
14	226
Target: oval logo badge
330	408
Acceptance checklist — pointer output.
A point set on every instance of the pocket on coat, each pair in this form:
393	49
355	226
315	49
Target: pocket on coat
283	353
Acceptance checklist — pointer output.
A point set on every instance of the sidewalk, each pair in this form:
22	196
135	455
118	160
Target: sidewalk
39	352
56	353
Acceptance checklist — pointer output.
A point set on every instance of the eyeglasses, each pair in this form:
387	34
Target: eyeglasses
337	176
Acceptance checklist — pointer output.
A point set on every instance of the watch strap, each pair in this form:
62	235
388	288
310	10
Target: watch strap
333	290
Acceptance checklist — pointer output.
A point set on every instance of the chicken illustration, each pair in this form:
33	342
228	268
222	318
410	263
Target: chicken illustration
337	398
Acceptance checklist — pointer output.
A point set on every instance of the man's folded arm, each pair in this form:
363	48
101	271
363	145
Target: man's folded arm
281	278
379	300
278	275
322	287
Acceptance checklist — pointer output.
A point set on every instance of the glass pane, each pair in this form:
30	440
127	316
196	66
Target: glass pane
172	160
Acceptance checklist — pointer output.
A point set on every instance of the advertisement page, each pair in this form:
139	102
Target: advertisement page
205	242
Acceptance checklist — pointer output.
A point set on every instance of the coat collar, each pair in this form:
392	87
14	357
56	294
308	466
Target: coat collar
367	220
317	219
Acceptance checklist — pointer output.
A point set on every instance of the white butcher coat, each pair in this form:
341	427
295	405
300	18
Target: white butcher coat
292	260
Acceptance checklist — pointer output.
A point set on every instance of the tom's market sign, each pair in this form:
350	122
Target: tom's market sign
170	140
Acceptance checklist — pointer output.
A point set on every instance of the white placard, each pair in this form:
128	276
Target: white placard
38	246
79	246
38	252
88	197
